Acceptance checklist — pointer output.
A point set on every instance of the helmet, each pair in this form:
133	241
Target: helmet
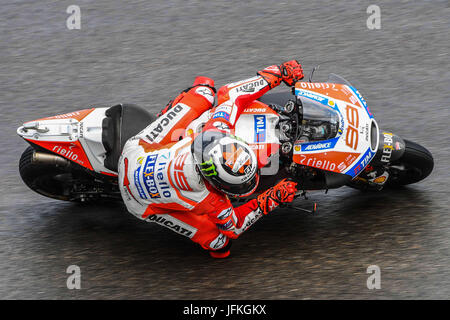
226	162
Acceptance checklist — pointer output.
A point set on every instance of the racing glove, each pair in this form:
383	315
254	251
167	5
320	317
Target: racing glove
283	192
291	72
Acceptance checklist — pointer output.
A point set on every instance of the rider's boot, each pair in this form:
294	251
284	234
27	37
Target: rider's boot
221	253
199	81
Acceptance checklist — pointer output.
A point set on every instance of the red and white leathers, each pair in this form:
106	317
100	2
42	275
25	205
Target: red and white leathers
160	182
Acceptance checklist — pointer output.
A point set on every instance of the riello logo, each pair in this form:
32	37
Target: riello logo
66	152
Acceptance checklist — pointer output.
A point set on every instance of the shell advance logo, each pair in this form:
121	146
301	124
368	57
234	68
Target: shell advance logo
260	128
149	177
314	146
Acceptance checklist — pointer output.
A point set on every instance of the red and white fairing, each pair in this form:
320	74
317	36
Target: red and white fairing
356	142
76	136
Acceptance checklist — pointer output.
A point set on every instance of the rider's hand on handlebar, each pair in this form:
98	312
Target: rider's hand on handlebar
291	72
283	192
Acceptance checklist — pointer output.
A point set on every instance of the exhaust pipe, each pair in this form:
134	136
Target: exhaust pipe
47	158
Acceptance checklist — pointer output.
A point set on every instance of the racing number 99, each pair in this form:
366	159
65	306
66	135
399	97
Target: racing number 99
351	139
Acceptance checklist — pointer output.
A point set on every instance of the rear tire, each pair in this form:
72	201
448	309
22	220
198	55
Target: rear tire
415	165
47	180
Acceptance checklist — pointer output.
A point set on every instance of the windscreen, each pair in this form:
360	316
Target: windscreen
319	122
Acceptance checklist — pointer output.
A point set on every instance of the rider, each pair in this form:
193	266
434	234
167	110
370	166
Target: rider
183	181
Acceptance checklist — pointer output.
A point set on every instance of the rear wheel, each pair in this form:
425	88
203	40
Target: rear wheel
46	179
65	180
415	165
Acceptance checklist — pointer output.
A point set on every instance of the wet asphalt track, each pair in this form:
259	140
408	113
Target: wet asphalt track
145	52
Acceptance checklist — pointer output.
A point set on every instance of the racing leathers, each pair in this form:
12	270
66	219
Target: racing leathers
159	179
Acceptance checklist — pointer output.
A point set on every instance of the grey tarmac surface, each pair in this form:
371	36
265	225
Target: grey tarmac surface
145	52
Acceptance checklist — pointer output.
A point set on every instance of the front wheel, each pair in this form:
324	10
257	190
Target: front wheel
414	165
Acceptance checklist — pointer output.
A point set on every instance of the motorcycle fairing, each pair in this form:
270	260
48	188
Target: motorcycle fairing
75	136
354	145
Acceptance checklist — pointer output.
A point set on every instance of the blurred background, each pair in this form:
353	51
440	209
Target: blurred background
146	52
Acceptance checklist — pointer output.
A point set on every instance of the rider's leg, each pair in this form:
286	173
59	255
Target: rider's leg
170	126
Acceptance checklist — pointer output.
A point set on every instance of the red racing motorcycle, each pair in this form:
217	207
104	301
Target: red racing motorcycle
320	134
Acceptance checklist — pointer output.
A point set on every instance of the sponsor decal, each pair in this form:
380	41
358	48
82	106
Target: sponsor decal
77	115
218	242
149	177
312	96
317	163
161	177
361	164
174	224
364	130
137	183
387	147
67	115
398	146
67	152
342	166
206	93
316	85
318	146
255	110
260	128
352	136
225	213
258	214
366	159
250	87
166	120
72	151
221	114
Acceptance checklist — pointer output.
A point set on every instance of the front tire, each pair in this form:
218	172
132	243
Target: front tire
415	165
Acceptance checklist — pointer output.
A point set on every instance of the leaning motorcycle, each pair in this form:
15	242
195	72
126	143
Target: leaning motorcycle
320	134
